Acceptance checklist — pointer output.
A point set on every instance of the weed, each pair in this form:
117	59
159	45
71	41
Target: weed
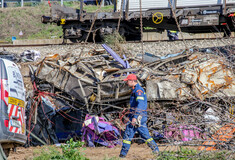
187	154
48	153
112	158
70	151
113	39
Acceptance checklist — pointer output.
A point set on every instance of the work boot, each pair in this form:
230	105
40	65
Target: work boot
156	153
121	156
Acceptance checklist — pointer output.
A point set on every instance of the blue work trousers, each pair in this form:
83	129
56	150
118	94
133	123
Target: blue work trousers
144	133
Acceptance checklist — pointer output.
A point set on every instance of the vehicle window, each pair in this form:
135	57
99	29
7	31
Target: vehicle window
16	84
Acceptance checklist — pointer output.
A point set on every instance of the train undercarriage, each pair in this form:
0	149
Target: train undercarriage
80	26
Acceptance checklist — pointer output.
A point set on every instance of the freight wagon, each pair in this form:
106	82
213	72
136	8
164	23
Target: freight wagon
201	16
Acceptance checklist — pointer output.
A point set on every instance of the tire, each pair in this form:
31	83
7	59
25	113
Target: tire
2	153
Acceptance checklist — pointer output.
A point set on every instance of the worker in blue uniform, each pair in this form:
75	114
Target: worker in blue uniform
172	35
137	117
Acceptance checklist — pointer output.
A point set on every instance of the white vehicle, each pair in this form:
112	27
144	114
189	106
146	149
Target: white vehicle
12	110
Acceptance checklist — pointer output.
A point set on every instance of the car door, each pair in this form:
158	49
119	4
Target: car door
16	100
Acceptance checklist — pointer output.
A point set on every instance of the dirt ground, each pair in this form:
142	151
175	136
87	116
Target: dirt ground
136	152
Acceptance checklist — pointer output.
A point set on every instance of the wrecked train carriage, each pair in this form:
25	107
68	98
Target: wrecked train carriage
79	82
91	81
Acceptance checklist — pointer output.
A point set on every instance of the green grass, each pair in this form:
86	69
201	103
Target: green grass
70	151
111	158
89	8
188	154
28	20
93	8
73	151
72	4
46	153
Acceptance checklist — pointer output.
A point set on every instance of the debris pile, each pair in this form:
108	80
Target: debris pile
222	139
38	123
201	75
26	56
195	88
30	55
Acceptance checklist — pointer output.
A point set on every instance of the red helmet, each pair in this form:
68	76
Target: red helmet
131	77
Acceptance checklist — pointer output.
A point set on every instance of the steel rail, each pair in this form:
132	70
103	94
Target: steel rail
82	43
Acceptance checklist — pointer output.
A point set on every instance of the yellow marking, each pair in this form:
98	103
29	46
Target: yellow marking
157	18
127	142
173	31
62	21
23	128
141	98
149	140
16	102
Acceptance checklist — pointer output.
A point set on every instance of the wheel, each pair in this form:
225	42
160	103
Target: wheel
2	153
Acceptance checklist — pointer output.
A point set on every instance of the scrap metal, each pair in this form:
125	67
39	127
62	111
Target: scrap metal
192	90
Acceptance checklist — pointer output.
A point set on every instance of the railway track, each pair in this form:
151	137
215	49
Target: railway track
4	45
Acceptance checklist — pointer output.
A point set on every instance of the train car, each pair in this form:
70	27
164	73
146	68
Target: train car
201	16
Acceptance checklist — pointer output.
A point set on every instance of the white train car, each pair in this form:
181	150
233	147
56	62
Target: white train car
134	5
198	16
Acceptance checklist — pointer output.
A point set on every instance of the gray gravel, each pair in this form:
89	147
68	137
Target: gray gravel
156	48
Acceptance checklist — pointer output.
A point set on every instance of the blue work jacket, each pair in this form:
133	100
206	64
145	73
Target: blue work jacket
138	102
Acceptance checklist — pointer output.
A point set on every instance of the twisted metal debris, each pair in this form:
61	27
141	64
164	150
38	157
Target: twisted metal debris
191	96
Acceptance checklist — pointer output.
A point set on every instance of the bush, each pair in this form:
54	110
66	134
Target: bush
70	151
